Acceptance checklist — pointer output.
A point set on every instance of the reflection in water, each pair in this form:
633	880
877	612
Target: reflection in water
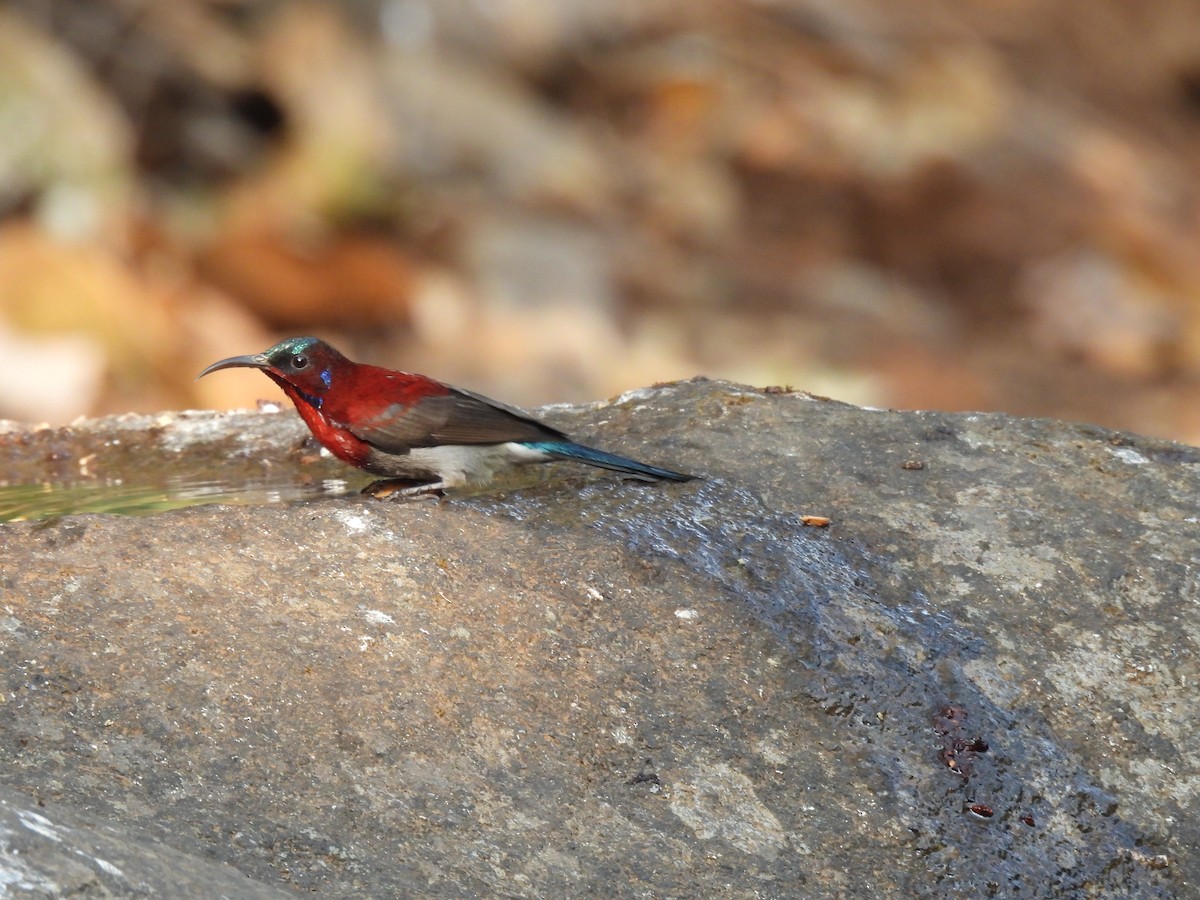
36	501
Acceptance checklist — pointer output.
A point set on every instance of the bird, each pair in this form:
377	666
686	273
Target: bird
413	429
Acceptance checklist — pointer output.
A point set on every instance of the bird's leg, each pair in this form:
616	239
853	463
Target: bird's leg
404	489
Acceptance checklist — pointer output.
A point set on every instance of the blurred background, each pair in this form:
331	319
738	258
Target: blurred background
910	203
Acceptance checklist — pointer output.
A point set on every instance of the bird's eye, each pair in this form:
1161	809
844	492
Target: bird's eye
299	361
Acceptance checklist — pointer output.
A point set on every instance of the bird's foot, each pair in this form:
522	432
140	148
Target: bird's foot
400	489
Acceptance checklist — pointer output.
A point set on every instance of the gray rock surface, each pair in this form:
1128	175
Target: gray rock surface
977	681
65	854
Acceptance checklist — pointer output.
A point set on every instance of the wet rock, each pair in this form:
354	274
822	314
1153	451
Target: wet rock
143	464
975	681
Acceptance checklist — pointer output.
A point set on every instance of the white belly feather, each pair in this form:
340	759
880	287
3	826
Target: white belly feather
455	465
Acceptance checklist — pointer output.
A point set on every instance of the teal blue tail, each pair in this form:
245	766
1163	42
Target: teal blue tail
593	457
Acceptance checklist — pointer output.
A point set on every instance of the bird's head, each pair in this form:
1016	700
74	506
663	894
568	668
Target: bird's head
304	367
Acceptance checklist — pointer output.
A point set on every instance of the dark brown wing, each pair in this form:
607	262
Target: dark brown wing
459	417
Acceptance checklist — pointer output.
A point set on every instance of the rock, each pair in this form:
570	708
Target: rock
55	852
977	681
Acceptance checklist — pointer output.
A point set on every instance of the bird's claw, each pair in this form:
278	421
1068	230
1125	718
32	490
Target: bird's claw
402	489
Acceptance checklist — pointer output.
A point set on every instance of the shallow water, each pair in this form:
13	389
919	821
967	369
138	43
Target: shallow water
23	502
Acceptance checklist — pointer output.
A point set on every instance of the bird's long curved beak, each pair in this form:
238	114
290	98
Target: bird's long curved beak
257	361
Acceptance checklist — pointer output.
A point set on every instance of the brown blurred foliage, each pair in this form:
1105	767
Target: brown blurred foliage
912	203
